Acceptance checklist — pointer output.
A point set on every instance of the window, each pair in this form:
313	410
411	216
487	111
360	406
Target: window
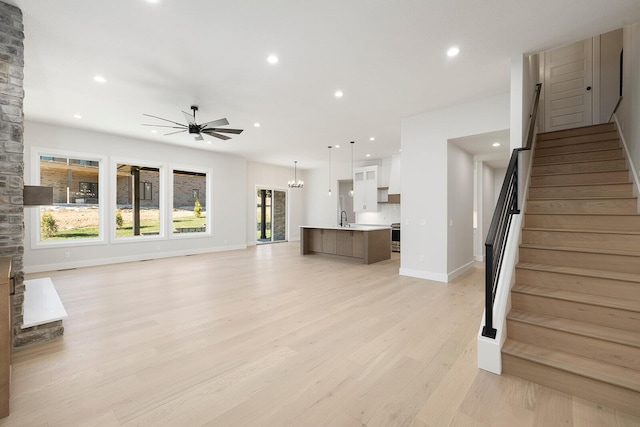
137	212
75	214
146	191
189	202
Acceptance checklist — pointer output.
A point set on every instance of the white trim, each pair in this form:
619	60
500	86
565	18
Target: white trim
460	271
595	83
170	196
420	274
132	258
35	154
632	168
113	197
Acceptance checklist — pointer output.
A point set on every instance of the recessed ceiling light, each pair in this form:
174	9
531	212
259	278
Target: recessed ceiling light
453	51
336	146
272	59
77	116
338	94
153	1
372	139
208	142
154	131
496	144
100	79
368	155
256	124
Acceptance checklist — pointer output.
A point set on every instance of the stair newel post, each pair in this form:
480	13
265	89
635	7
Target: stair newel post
488	330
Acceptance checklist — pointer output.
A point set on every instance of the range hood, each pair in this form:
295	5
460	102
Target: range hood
395	179
36	195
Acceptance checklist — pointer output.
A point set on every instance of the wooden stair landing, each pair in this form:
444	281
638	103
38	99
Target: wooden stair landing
574	323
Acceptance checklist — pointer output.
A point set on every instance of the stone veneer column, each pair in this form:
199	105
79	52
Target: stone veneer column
12	168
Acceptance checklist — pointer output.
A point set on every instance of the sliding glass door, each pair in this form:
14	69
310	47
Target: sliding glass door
271	215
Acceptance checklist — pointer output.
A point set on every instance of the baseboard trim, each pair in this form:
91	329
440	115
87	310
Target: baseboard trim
118	260
459	271
420	274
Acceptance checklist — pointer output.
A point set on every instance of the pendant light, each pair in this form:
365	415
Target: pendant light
330	171
295	183
351	191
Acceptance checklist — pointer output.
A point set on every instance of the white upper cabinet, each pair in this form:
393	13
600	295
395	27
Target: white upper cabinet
365	189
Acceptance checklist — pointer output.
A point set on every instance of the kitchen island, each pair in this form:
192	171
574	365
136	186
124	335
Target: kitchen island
369	243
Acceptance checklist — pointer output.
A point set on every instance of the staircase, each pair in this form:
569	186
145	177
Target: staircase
574	323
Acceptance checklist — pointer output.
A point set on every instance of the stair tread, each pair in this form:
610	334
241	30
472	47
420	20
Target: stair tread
585	250
581	172
596	300
583	214
577	152
604	333
600	371
576	271
585	198
595	184
577	230
620	157
580	130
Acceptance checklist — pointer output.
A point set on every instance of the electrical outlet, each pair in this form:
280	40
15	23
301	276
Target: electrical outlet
67	255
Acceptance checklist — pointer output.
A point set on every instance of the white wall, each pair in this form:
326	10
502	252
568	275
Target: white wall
227	207
268	176
610	48
424	179
629	112
460	185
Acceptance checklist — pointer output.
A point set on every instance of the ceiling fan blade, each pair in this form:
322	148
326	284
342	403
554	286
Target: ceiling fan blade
215	134
213	123
224	130
178	131
199	137
190	119
165	126
160	118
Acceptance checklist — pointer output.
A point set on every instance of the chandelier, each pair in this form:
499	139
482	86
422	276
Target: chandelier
295	183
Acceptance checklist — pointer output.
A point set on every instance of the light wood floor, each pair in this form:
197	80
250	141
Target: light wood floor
267	337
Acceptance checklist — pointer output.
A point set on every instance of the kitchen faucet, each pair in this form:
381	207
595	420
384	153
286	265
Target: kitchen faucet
344	221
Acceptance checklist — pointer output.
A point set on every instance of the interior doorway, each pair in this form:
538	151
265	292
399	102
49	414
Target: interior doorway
271	215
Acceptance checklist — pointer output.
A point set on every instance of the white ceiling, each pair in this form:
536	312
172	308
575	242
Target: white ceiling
388	57
482	149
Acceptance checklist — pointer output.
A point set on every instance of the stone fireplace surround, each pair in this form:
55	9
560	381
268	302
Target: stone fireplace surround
12	170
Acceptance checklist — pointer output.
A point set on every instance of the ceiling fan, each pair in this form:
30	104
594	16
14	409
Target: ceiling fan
208	128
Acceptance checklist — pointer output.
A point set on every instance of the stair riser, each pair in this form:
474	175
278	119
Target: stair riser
596	261
581	178
577	148
592	206
596	166
610	395
593	348
578	157
577	140
607	190
584	222
585	130
604	316
625	242
589	285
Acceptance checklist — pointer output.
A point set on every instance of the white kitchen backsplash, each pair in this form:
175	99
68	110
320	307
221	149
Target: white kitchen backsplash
386	214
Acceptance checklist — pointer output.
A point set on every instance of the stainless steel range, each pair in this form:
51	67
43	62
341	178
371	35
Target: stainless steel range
395	237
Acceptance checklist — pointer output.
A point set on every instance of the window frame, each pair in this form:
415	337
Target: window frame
36	154
113	192
208	194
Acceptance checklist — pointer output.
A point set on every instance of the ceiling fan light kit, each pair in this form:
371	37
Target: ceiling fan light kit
208	128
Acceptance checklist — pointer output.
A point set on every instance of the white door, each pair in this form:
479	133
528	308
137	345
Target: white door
568	86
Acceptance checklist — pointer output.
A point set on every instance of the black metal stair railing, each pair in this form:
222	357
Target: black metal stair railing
498	234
